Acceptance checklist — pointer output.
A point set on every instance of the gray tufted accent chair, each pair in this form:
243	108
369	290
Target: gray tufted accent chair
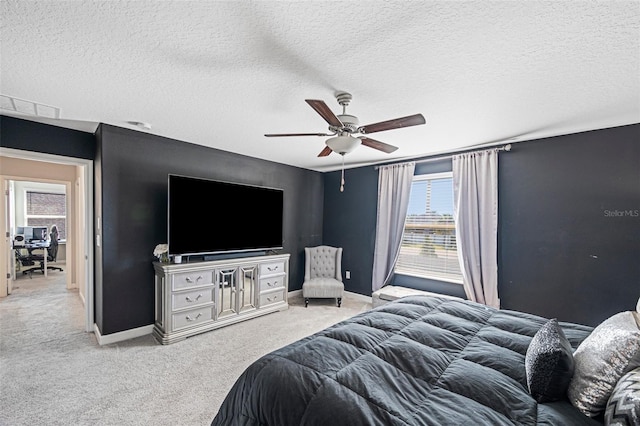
322	273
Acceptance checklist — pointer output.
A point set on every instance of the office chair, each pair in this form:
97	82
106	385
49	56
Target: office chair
23	260
52	254
28	260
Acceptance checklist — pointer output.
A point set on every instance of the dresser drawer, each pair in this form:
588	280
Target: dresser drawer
271	298
192	279
192	298
271	283
193	317
272	268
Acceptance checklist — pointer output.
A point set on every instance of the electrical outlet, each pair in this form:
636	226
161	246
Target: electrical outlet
348	274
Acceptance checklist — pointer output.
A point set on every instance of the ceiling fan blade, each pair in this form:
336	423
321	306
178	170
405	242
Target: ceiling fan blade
380	146
326	113
271	135
326	151
411	120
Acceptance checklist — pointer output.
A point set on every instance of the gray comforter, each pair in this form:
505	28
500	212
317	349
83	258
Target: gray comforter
416	361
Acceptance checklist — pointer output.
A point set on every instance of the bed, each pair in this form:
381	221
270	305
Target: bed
419	360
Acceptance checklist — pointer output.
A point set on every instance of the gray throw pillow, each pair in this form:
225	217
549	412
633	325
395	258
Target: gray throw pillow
611	350
549	363
623	408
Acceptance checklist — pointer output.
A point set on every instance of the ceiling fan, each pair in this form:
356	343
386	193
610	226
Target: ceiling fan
344	126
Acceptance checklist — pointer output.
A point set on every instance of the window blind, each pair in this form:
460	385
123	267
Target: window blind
46	209
428	247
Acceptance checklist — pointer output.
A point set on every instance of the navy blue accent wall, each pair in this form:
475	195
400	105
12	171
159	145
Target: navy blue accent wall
568	226
569	234
37	137
569	223
130	205
133	197
350	223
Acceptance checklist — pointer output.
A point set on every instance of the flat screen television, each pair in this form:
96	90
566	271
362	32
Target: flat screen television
211	216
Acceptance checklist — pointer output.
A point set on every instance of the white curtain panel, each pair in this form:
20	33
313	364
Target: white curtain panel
475	203
394	188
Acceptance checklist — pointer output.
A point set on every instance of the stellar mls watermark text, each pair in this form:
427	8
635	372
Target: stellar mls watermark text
621	213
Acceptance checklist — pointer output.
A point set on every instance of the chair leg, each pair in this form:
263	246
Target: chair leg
306	302
339	301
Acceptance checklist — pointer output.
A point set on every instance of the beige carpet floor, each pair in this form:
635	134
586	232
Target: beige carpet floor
54	373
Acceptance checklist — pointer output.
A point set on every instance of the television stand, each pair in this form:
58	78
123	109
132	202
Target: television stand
193	298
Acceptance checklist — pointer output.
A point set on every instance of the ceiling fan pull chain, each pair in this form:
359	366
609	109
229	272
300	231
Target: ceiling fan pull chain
342	177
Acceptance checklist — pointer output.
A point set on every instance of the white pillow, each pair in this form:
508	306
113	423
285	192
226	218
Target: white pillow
611	350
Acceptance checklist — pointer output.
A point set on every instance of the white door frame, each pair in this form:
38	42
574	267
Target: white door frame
8	219
86	240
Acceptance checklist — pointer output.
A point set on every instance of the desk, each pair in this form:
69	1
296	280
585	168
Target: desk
35	245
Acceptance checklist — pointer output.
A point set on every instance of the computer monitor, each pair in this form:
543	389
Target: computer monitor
38	233
26	231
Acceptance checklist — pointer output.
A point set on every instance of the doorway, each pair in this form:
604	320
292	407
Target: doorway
35	209
77	175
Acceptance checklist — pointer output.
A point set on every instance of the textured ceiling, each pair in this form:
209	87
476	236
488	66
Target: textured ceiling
222	74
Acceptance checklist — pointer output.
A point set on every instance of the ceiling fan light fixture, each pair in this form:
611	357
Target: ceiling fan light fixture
343	144
346	125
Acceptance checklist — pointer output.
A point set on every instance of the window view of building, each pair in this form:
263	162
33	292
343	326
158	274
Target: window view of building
46	209
428	247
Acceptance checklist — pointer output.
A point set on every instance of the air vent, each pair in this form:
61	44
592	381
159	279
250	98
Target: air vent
23	106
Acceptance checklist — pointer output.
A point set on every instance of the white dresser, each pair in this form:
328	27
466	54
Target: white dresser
192	298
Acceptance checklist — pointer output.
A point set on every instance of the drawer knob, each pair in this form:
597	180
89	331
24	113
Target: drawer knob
192	300
274	268
190	280
193	319
272	299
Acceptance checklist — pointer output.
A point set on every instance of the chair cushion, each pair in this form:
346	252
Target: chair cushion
322	287
323	262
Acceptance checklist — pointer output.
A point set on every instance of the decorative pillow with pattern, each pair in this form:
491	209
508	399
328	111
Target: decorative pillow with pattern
610	351
549	363
623	408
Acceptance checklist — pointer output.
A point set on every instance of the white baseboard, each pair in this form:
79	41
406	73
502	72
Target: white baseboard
295	293
122	335
361	297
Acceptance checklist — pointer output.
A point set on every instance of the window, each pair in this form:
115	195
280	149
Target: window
428	247
46	209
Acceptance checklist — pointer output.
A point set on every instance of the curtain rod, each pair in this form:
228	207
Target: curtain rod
506	147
